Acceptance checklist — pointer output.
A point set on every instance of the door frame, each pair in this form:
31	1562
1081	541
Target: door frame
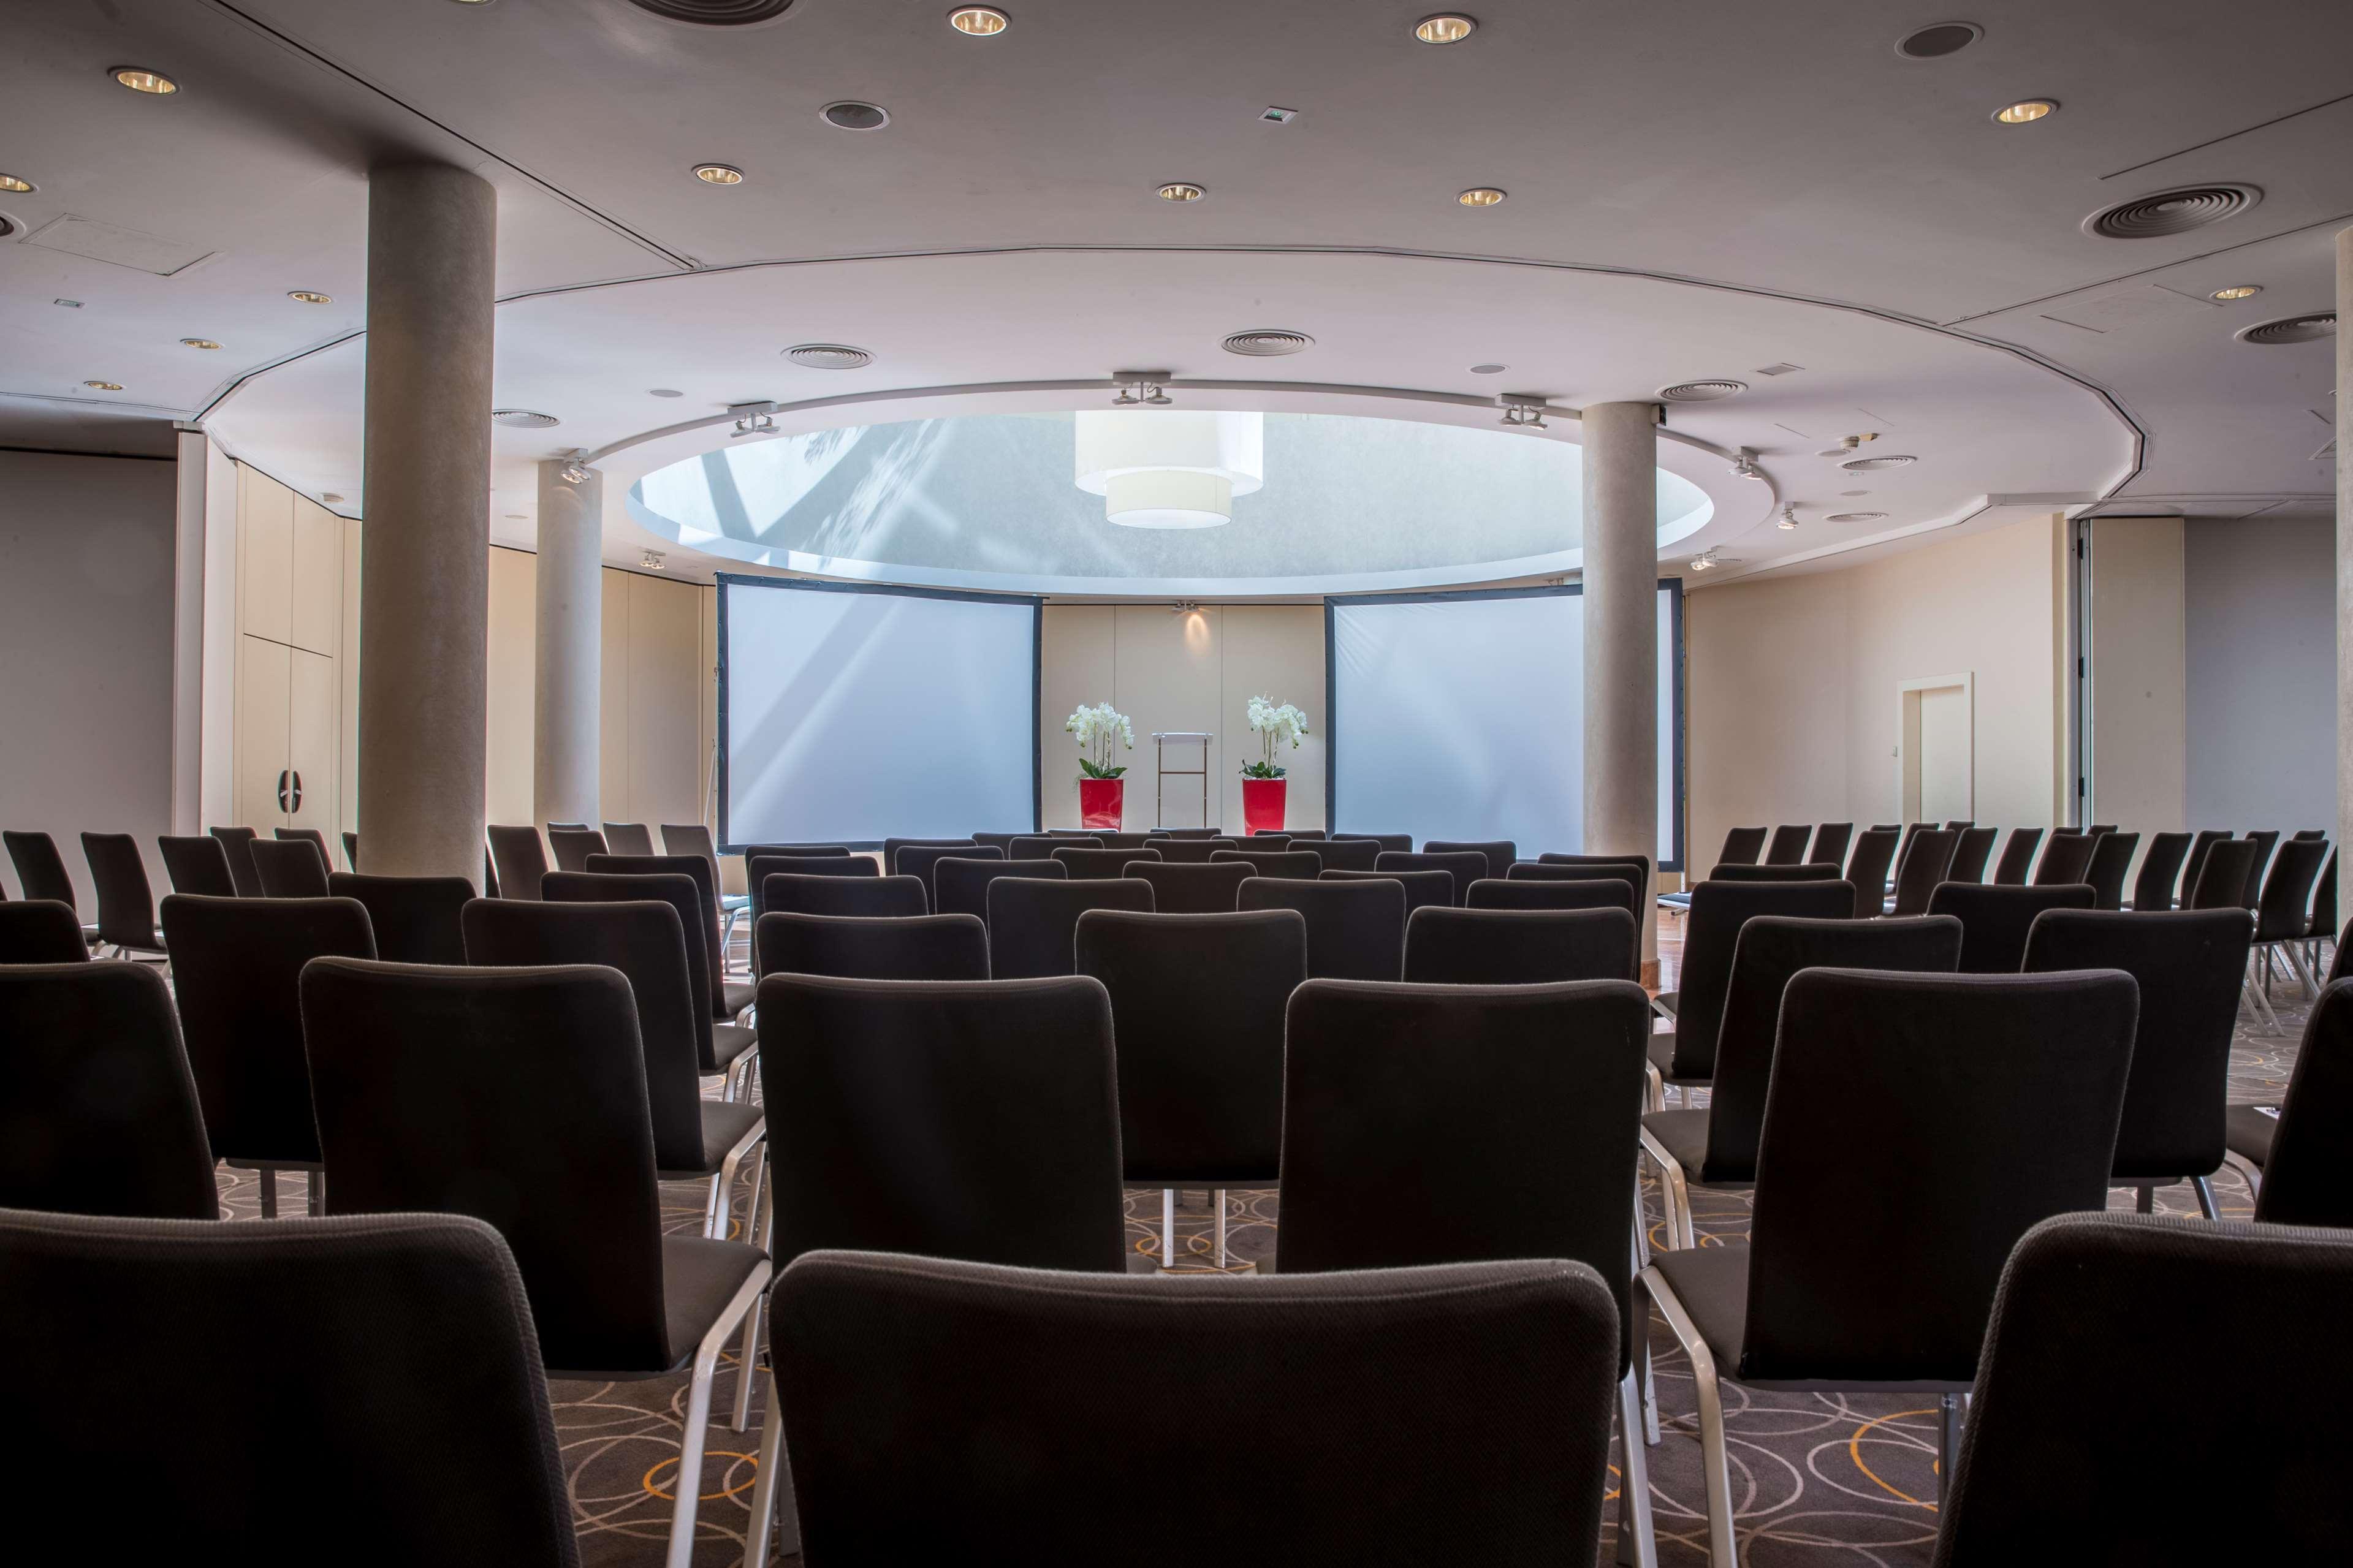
1907	697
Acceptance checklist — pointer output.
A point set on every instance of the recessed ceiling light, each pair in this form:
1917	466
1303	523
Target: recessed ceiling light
198	343
719	174
1482	196
664	392
979	21
1446	27
14	182
2237	291
1938	40
1489	369
103	386
1182	190
310	297
850	115
139	78
2026	110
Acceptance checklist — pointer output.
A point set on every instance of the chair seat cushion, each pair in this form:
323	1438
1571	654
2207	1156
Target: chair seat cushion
729	1041
735	900
1683	1134
1668	1002
2247	1132
739	995
699	1278
724	1124
1712	1283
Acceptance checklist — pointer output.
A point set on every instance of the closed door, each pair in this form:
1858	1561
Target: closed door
264	675
314	698
1936	766
315	604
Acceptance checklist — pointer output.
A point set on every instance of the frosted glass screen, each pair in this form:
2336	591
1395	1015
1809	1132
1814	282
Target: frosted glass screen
1462	716
850	716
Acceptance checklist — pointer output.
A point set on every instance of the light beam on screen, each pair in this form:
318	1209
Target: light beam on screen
856	716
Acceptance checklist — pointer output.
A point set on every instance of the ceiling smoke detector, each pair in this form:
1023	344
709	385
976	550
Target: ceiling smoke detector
2293	330
1701	391
2172	212
524	419
1937	41
715	13
1868	465
829	356
1855	516
1269	343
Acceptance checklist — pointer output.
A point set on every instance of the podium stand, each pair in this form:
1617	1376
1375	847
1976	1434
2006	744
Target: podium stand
1180	746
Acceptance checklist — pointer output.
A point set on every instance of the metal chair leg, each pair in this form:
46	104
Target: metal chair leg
691	1440
2206	1204
2306	982
1715	1463
1638	1540
1218	1196
2246	1169
314	1193
1948	1445
1167	1228
771	1494
1655	1084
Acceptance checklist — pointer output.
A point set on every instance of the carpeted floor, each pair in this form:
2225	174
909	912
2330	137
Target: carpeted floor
1816	1480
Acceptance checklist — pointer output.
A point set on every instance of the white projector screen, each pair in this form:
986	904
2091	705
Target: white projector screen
1462	716
849	714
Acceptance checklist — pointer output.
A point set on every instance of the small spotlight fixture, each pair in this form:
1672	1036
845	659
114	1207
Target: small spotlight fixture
1275	114
2026	110
979	21
650	559
573	473
139	78
198	343
68	304
15	183
753	424
1704	561
310	297
1184	608
1483	197
1446	27
1139	388
2236	291
719	174
1182	190
103	386
1521	411
1744	466
1789	519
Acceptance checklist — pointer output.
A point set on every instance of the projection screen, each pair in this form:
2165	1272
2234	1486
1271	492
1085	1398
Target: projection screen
1462	716
849	714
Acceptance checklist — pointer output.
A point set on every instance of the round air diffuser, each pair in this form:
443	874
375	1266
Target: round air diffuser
523	419
1866	465
2172	212
850	116
1701	391
2293	330
1268	344
829	356
1937	41
1854	517
715	13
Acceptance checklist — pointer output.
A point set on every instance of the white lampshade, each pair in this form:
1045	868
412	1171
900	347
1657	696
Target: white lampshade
1166	468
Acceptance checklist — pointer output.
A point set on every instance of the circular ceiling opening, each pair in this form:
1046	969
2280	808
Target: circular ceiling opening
715	13
2172	212
1701	391
1935	42
2293	330
1271	343
524	419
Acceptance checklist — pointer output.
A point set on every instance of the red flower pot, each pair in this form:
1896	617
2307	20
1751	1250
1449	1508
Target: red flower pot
1262	804
1102	803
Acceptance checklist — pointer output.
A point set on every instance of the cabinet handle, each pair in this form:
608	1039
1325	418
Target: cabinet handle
283	777
298	794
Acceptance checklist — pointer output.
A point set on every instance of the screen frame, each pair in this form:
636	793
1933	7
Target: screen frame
724	581
1674	586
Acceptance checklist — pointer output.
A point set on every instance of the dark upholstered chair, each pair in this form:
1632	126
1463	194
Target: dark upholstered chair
2160	868
2184	1339
758	867
960	887
1995	919
2264	841
1635	874
126	904
1033	921
2112	857
728	998
1602	892
1795	871
2188	964
1641	864
2283	924
694	1139
1090	865
521	859
1200	1059
98	1112
238	844
1867	867
519	1096
1992	1102
572	845
2193	864
40	931
290	868
1041	846
1191	851
351	850
315	838
891	848
415	919
999	841
1422	888
360	1335
1306	834
1123	841
1302	863
1499	853
1179	888
1787	845
1742	847
1346	854
794	851
1971	853
1483	1439
198	863
1443	1124
1829	843
2066	859
1685	1054
1717	1146
2221	881
40	869
1922	866
1518	947
1465	867
2312	1142
1388	841
913	947
2017	856
694	839
628	838
921	862
1355	930
236	966
790	892
724	1050
1266	843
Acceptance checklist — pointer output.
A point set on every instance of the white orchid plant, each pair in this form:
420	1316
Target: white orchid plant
1275	724
1097	727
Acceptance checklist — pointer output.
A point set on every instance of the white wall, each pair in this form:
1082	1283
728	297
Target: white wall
2138	657
2262	659
85	605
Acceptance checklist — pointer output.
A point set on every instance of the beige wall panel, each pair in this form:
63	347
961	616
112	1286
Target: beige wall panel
263	675
315	612
265	556
1275	651
2138	657
1767	708
1164	677
1076	659
514	603
314	744
347	674
613	692
665	702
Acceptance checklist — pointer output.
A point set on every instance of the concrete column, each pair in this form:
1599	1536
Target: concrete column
425	548
2343	542
1621	640
566	757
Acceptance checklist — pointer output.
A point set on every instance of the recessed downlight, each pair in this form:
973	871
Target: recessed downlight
1489	369
198	343
1268	342
829	356
2235	293
524	419
979	21
103	386
719	174
1855	517
664	392
1446	27
15	183
310	297
139	78
2026	111
1483	197
1182	190
1938	40
1701	391
850	115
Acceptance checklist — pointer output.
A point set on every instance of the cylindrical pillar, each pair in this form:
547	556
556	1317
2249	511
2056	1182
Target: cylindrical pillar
566	754
2343	542
1621	640
425	545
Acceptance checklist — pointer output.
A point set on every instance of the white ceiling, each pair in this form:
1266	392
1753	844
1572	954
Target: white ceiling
1698	190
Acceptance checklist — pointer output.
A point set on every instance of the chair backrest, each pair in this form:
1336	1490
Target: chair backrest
1309	834
1787	845
2304	1176
1500	852
704	915
1990	1102
1355	930
1465	869
1192	851
40	869
1874	852
572	845
360	1335
1306	865
922	861
1922	866
1201	1065
2266	1301
415	919
1266	843
2160	869
891	848
517	1096
2066	859
2221	881
960	886
1829	845
1995	920
682	895
314	837
2194	864
98	1112
1122	840
793	893
1796	871
1771	950
236	967
1156	834
2111	856
1524	893
994	840
1741	846
1642	863
1635	875
1421	1123
1182	888
2264	842
1710	935
910	947
2324	895
629	838
1499	1371
351	850
794	851
1422	888
2188	964
690	838
1971	853
290	868
198	863
1033	921
521	859
955	1119
2017	856
126	905
1346	854
1041	846
1087	864
1480	946
1388	841
40	931
2280	911
237	842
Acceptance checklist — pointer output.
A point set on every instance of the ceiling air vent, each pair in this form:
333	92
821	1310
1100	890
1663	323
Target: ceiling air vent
1701	391
716	13
2294	330
1854	517
1934	43
1783	367
1867	465
848	115
829	356
523	419
1270	344
2172	212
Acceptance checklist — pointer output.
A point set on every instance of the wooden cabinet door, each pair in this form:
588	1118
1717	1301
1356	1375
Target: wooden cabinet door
316	611
314	741
265	556
263	676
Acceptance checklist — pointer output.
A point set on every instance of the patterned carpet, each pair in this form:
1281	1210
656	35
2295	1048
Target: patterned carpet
1816	1480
